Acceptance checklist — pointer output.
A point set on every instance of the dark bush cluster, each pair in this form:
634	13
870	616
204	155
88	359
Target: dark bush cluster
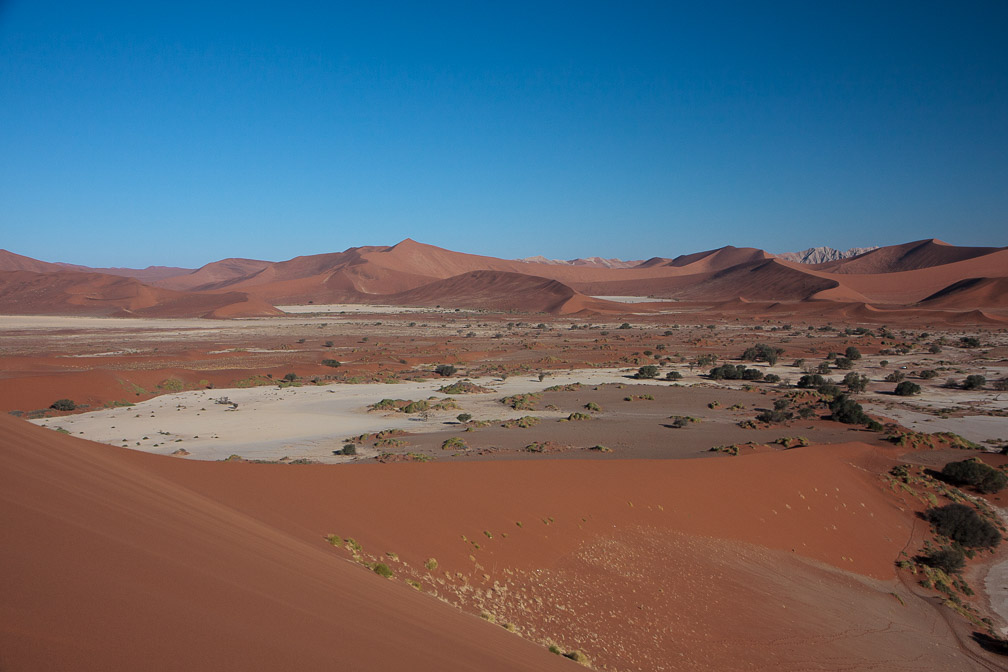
948	559
647	371
976	474
735	372
779	413
848	411
761	352
907	389
974	382
63	405
963	524
445	370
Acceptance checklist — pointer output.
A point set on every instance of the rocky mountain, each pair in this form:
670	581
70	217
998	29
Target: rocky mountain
821	255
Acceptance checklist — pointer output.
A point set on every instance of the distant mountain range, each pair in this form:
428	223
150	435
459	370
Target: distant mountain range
820	255
933	278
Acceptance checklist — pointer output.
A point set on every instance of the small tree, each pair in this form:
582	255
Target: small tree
852	353
963	524
856	382
973	472
949	559
63	405
848	411
647	371
845	363
907	389
445	370
974	382
673	375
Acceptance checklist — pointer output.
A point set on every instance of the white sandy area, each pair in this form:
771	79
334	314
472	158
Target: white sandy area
996	583
976	428
629	299
298	422
47	322
355	308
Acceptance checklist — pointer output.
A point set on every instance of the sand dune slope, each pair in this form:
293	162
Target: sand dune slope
109	566
497	290
79	293
906	257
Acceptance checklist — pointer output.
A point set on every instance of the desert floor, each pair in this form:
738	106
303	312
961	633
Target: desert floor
594	515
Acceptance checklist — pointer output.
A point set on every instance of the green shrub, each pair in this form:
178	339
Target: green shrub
735	372
454	443
334	363
811	381
852	353
464	417
974	473
381	569
848	411
445	370
673	375
63	405
974	382
761	352
856	382
963	524
949	559
431	564
969	342
647	372
907	389
290	377
347	449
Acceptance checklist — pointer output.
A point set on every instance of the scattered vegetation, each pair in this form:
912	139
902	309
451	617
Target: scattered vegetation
974	473
962	524
63	405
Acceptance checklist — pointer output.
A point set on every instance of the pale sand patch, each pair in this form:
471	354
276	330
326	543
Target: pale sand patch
996	583
299	422
358	308
976	428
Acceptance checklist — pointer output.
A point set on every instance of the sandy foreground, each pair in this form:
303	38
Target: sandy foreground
308	422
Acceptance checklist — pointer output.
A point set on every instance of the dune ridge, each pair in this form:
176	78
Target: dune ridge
919	275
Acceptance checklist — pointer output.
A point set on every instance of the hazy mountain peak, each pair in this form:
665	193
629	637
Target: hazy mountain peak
823	254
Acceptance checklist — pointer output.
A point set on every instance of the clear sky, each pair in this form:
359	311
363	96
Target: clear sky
179	133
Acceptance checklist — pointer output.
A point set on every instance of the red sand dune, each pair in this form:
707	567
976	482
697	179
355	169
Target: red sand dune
899	276
78	293
497	290
109	565
16	262
214	275
906	257
970	293
122	560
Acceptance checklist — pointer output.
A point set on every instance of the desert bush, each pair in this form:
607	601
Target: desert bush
761	352
347	449
334	363
974	473
1001	385
949	559
852	353
963	524
63	405
454	443
848	411
593	407
907	389
735	372
381	569
673	375
445	370
771	378
648	371
974	382
844	363
811	381
928	374
969	342
290	377
895	377
855	382
464	417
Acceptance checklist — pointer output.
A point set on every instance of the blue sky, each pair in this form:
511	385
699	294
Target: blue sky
169	133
